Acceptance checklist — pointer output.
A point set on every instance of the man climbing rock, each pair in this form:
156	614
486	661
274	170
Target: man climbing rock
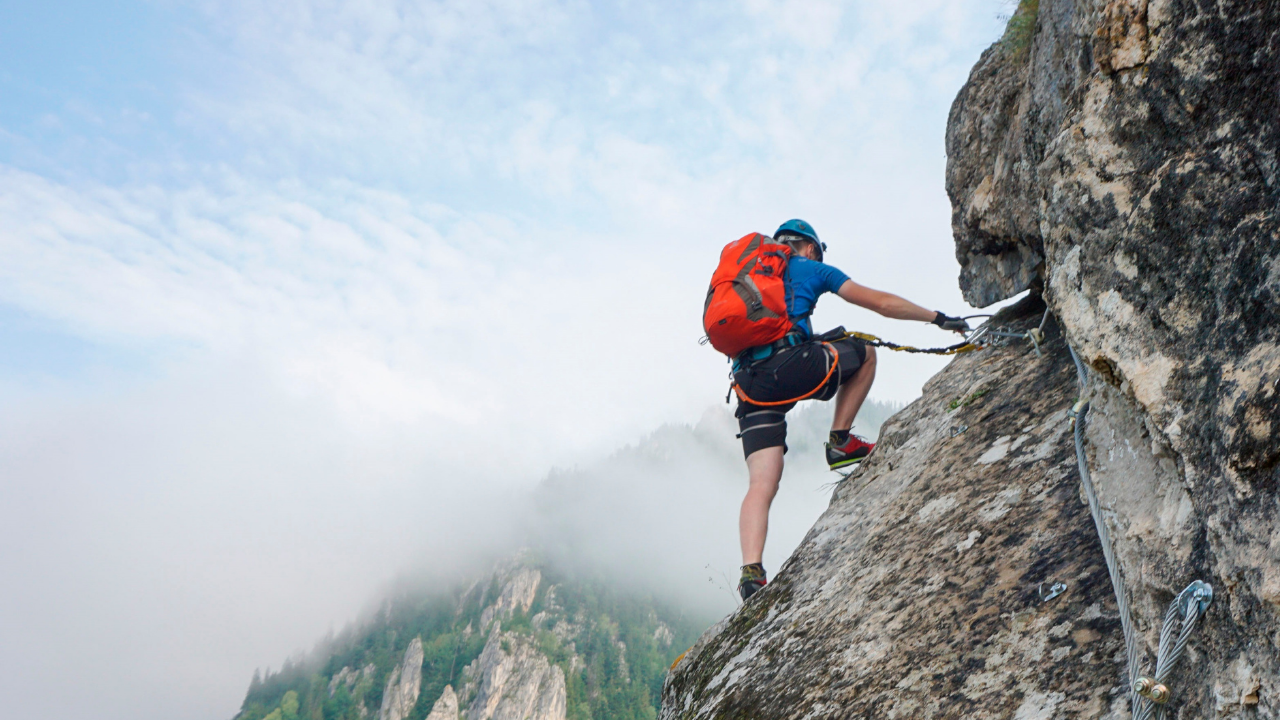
771	378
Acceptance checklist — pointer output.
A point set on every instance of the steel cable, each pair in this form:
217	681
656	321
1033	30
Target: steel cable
1190	603
1104	535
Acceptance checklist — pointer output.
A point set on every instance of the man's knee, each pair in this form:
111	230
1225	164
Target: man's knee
869	363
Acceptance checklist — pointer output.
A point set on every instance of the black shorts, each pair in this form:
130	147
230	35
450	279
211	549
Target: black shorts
788	374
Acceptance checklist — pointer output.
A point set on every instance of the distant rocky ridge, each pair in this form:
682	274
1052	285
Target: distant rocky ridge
403	685
1120	160
515	644
513	680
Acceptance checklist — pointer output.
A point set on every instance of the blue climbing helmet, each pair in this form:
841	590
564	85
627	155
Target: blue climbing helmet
802	229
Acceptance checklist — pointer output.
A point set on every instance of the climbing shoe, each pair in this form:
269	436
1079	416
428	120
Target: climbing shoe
752	580
846	450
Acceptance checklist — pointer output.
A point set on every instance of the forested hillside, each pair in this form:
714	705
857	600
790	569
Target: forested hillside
536	632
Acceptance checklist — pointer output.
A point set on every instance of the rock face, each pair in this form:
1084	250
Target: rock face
403	685
446	708
1132	152
356	683
516	682
518	592
1119	160
512	679
350	678
924	590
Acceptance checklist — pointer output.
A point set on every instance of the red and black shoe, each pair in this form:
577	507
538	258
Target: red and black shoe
752	580
850	452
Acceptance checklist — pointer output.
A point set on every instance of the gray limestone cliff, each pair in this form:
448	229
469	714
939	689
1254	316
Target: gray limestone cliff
1119	159
403	685
446	706
356	683
518	592
1135	159
514	681
555	643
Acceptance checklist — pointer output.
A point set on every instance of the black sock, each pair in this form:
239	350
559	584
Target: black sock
839	437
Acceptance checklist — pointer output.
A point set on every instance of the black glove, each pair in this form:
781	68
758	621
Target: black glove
954	324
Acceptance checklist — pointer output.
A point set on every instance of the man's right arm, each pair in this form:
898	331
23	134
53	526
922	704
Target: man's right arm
883	303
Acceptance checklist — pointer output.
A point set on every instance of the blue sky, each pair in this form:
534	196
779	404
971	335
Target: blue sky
222	176
330	251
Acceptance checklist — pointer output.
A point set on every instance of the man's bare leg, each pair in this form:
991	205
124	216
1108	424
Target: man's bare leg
765	470
850	396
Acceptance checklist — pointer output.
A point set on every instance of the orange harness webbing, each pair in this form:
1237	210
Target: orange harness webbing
835	363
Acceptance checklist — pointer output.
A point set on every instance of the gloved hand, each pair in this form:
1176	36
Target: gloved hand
954	324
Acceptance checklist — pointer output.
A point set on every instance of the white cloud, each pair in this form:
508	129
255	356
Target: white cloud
469	325
202	526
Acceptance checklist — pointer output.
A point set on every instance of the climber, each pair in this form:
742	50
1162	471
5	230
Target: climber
796	365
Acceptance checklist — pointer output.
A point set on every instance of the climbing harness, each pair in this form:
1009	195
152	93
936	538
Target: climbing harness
834	362
971	343
1149	693
975	340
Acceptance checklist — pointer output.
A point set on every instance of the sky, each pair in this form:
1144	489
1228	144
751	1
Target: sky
294	296
603	515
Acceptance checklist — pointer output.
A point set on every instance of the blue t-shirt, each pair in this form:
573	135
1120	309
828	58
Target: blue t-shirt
806	280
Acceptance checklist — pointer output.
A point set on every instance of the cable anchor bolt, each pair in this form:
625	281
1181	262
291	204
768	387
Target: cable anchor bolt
1055	590
1036	336
1074	412
1198	592
1151	690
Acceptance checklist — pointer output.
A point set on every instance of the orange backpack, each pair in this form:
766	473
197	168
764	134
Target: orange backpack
747	301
